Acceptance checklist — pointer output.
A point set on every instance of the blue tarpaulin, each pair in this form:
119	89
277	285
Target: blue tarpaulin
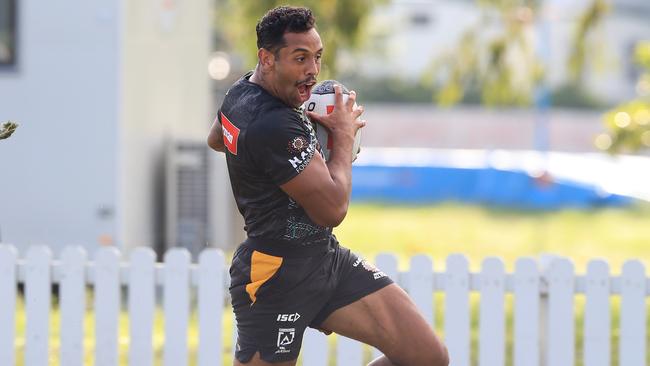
509	188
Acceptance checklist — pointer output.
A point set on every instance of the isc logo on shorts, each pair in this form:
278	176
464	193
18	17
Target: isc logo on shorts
288	317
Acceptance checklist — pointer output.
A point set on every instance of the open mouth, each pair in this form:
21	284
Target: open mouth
305	90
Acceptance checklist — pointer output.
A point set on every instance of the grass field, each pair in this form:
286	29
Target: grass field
477	232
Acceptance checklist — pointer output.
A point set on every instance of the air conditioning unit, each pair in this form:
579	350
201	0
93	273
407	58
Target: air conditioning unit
187	196
200	209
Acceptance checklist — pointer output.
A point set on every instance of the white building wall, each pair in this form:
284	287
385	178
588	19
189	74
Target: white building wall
399	46
98	89
610	46
165	96
59	169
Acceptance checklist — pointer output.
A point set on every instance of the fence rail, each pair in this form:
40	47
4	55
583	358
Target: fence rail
543	328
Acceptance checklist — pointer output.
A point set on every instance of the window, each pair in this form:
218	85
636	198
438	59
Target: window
7	32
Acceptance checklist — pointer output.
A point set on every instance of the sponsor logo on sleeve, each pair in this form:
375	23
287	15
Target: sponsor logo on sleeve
376	273
230	134
297	145
300	161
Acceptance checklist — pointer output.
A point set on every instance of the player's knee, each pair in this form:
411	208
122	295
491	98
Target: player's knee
441	358
436	355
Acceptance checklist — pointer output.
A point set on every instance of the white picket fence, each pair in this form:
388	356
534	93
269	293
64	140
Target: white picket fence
544	331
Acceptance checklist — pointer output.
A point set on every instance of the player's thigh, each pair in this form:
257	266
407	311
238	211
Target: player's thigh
257	361
386	319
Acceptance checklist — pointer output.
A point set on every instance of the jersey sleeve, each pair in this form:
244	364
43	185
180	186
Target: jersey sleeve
281	145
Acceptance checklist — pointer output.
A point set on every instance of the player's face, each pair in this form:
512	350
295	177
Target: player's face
296	67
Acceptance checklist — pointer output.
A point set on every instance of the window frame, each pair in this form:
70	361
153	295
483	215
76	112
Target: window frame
13	36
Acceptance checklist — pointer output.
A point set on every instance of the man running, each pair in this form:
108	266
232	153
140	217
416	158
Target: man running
291	272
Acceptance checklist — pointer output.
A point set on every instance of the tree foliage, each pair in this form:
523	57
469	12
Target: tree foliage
583	39
628	125
7	129
499	58
495	56
338	21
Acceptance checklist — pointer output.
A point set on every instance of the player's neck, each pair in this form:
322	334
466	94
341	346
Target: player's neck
258	77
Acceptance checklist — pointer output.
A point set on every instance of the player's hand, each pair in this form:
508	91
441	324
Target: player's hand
344	120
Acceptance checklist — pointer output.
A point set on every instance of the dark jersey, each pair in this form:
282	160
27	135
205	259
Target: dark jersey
267	144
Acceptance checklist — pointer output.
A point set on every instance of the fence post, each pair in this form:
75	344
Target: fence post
527	313
141	305
633	315
545	263
315	348
177	306
597	326
561	326
8	304
73	305
492	313
107	306
457	325
419	285
37	304
210	306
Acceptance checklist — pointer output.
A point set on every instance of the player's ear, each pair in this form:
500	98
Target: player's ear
266	58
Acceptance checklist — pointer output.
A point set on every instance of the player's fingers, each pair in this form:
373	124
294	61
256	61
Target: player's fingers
321	119
314	116
352	98
338	95
358	111
362	123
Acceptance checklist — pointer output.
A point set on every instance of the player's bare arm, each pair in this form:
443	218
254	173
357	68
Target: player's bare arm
215	137
323	189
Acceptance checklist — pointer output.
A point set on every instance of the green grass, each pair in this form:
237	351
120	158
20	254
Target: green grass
613	234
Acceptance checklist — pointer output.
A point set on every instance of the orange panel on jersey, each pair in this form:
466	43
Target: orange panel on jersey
263	267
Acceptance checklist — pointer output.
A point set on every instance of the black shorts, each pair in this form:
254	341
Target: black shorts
276	298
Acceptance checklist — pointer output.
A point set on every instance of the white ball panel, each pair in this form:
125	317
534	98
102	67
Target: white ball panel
324	104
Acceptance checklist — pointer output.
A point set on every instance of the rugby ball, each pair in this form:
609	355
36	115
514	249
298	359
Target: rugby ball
321	101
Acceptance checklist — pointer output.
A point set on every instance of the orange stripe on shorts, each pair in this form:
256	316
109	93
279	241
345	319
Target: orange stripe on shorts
263	267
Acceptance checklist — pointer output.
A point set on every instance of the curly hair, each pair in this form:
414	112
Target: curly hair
271	28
